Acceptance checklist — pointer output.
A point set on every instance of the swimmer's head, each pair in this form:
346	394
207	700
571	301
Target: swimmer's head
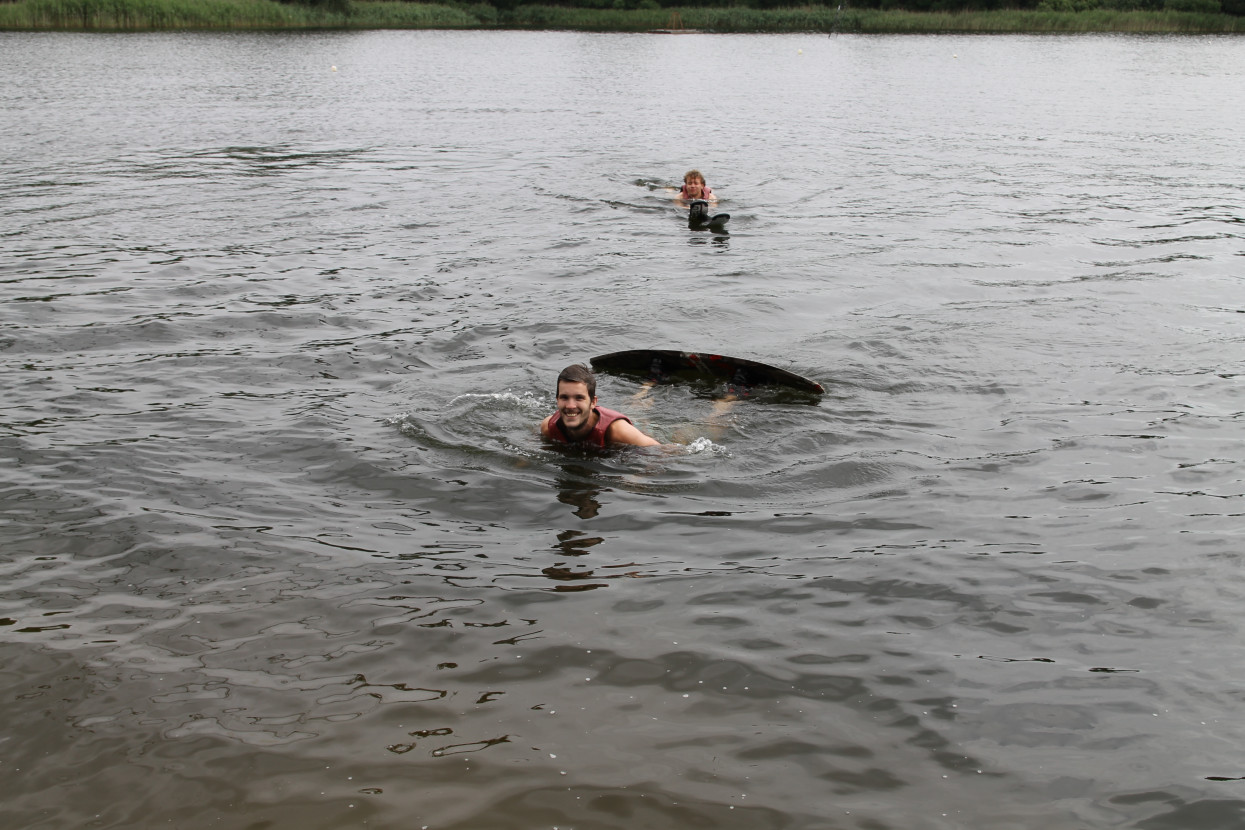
579	373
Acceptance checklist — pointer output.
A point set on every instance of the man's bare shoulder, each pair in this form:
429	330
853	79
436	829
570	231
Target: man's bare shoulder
625	432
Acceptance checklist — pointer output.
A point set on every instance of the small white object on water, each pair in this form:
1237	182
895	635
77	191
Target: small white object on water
334	68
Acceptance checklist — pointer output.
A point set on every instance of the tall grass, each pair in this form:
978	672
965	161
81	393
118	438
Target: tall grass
154	14
138	15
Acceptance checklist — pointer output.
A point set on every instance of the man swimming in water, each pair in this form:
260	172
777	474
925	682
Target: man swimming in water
698	198
694	188
579	420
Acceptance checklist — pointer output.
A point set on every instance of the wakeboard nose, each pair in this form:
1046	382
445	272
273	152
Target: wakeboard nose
698	217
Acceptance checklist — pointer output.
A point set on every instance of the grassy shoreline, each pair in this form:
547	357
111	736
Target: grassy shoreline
241	15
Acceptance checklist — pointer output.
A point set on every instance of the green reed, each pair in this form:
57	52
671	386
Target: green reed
138	15
150	14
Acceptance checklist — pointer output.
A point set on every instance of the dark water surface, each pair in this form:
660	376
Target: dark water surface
281	547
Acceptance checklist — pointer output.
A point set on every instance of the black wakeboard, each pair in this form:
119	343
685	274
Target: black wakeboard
699	218
659	364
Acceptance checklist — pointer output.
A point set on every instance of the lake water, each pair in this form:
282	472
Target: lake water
281	547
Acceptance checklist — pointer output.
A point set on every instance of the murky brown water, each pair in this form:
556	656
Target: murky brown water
281	547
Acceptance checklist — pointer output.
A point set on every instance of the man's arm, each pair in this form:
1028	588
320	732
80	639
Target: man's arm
625	432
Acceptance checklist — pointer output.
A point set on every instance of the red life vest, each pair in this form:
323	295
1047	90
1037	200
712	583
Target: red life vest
596	438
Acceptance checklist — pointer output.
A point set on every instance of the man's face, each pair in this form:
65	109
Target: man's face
694	186
574	404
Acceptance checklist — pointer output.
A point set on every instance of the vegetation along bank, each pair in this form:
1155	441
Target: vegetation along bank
862	16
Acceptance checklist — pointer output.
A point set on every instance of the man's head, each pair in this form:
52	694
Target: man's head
693	177
577	399
579	374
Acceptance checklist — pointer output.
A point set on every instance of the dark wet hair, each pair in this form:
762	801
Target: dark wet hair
579	373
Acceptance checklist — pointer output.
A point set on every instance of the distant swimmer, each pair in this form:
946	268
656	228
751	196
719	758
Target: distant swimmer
579	420
698	198
694	188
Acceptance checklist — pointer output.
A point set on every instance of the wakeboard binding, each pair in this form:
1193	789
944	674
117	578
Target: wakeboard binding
698	216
